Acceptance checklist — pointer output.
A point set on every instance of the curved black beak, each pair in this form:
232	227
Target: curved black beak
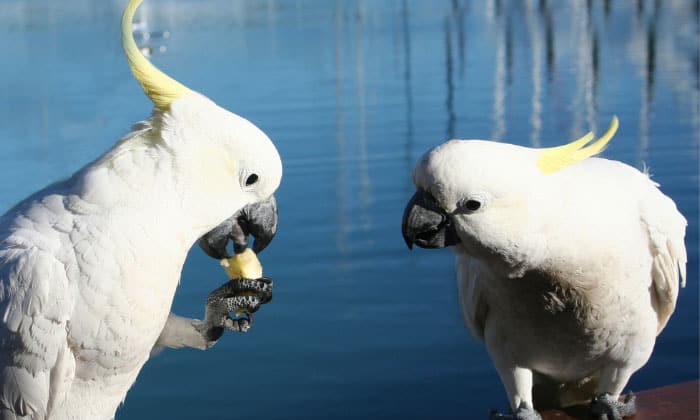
426	224
257	219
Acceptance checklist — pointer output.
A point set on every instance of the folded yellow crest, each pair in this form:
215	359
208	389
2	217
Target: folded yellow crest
554	158
161	88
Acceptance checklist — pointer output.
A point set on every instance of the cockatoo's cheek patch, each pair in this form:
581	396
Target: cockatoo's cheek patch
256	219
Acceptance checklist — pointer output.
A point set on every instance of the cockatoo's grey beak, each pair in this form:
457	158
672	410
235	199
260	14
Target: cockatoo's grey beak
256	219
426	224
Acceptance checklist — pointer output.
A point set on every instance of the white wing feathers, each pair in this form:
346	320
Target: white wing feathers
37	366
666	229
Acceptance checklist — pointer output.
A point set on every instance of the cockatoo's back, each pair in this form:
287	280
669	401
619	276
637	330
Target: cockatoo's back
622	214
585	220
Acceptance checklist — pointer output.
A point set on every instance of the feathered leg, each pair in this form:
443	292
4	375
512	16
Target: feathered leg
241	296
607	405
518	381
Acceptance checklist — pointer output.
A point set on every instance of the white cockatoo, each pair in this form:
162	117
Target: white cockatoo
89	265
568	265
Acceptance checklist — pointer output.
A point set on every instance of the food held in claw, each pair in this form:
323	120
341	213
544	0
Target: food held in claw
243	265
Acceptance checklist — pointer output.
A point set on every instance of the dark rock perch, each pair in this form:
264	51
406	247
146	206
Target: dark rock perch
677	402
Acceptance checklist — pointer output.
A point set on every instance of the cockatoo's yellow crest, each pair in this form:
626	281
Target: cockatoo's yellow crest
554	158
161	88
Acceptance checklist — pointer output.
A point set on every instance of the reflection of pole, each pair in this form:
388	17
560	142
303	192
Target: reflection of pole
365	185
651	59
499	85
647	93
408	88
607	8
450	82
509	51
695	68
340	196
536	47
584	101
458	11
549	38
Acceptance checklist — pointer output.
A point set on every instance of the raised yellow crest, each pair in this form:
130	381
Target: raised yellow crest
161	88
554	158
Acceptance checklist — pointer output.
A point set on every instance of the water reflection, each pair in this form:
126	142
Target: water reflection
408	88
353	92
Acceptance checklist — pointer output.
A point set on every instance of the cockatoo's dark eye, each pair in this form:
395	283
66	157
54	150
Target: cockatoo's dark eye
472	205
252	179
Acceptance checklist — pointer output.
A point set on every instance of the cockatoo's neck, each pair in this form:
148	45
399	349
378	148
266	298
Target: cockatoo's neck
141	177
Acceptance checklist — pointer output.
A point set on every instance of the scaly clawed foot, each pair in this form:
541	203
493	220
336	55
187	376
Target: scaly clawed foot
241	296
607	407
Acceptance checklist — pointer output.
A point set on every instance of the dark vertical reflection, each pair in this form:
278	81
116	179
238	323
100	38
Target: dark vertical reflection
509	50
499	85
365	193
651	60
458	11
499	9
408	88
549	39
595	63
591	71
450	80
640	8
340	180
647	95
607	7
697	50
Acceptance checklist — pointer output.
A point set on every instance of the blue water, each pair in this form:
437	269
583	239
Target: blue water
352	93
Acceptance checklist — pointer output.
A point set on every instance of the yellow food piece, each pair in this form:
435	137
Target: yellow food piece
244	265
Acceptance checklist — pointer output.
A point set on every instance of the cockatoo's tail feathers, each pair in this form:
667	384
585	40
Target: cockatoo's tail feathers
161	88
554	158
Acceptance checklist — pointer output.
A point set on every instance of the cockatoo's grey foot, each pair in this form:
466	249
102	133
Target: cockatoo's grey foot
242	296
521	413
607	407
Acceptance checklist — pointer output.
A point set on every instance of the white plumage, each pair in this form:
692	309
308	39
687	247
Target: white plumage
89	265
568	276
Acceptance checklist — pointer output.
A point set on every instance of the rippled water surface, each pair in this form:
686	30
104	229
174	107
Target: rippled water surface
352	93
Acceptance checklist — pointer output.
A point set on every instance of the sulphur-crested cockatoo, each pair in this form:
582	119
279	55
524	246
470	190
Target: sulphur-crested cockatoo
89	265
568	265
